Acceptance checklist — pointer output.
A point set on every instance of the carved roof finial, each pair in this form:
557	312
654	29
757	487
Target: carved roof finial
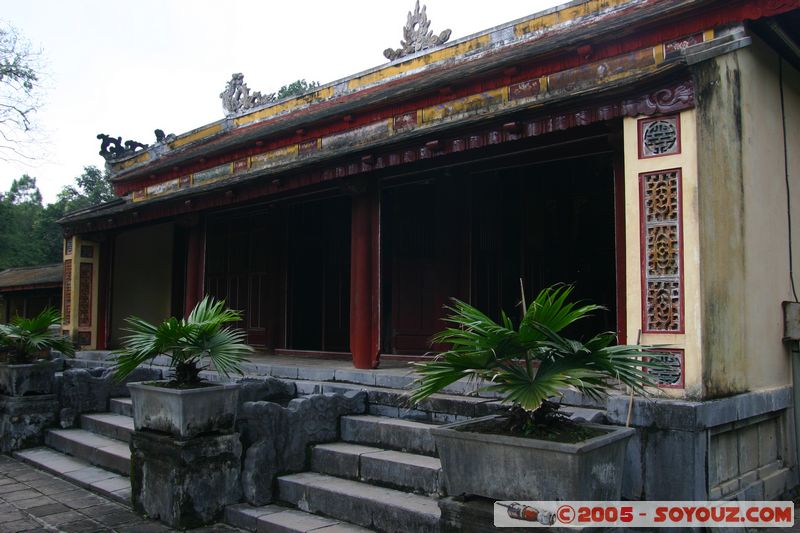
236	97
417	35
113	147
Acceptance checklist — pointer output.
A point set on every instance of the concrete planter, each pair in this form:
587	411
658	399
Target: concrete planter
515	468
27	379
185	413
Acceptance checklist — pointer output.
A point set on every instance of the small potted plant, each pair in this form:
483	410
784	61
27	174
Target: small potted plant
532	452
25	345
187	405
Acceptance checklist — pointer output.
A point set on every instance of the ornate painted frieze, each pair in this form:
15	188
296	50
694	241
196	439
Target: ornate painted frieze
659	136
662	263
417	35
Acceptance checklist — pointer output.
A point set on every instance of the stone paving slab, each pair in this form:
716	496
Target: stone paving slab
36	501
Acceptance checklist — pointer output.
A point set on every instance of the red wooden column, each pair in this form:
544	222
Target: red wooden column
195	266
364	275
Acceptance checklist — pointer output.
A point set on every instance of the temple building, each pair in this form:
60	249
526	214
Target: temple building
645	151
27	291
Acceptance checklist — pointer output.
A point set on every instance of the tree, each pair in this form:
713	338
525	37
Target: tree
29	232
19	99
21	225
296	88
91	188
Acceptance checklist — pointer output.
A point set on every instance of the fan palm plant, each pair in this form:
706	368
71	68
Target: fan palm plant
532	362
186	342
24	339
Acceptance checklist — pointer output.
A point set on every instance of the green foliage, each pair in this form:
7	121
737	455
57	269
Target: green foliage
186	342
29	232
296	88
25	338
533	362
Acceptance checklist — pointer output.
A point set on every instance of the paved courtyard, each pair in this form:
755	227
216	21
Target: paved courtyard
32	500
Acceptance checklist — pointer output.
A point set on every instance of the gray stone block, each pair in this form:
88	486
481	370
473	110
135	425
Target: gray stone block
96	449
404	435
185	483
289	372
313	373
394	381
403	471
292	521
365	505
339	459
776	484
245	516
277	438
24	420
109	425
384	410
306	388
89	390
265	389
121	406
674	465
362	377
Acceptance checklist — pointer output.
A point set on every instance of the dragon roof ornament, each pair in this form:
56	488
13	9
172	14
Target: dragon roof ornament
417	35
237	98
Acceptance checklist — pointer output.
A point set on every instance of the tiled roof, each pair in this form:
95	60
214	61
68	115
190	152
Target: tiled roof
31	276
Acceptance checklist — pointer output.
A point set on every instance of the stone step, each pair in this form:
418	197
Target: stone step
366	505
388	468
79	472
110	454
121	406
394	402
387	432
274	518
109	425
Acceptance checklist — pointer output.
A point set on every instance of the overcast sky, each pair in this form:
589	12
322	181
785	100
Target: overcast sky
127	68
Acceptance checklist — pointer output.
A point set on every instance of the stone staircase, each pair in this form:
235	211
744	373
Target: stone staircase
95	456
383	474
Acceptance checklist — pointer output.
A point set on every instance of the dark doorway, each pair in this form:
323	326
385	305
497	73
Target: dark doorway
318	274
545	224
474	233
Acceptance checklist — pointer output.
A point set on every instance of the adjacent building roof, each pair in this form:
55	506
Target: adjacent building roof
34	277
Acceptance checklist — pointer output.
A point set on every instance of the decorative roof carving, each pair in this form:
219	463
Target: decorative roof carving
417	35
236	97
161	137
113	147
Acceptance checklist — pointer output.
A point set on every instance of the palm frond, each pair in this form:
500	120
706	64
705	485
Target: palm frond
534	362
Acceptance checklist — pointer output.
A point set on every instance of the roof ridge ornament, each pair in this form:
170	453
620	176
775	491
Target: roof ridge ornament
417	35
237	98
113	147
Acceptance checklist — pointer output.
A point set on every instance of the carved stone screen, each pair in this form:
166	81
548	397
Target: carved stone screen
659	137
662	263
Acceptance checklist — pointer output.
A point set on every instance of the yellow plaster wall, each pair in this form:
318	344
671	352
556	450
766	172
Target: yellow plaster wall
142	276
743	217
766	233
687	162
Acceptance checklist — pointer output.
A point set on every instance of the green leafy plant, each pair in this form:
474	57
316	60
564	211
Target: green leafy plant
532	362
26	339
186	342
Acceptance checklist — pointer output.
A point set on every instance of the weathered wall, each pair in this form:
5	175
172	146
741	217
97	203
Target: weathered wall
142	276
743	220
767	281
